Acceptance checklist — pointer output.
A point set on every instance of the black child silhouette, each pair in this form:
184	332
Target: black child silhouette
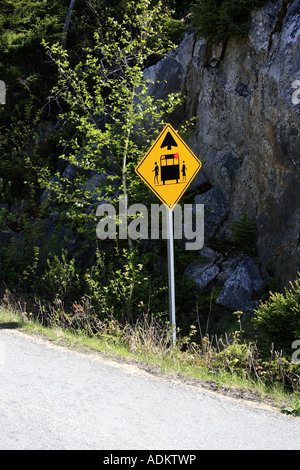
183	170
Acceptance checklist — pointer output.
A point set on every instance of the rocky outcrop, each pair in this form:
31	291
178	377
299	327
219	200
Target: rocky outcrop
238	277
247	130
240	287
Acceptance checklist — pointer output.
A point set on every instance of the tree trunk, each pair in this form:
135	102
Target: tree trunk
67	22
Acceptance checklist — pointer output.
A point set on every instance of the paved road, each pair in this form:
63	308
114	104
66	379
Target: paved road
54	398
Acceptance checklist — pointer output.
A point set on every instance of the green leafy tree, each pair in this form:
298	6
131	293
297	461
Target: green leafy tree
105	98
113	120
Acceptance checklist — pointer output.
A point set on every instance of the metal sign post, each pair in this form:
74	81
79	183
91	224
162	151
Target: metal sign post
168	168
171	274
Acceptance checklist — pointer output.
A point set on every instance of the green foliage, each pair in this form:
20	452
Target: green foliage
243	233
20	164
25	22
9	264
23	64
245	360
105	98
175	29
236	358
124	287
218	20
278	318
293	407
60	279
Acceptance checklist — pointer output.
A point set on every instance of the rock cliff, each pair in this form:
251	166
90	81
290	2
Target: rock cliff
247	129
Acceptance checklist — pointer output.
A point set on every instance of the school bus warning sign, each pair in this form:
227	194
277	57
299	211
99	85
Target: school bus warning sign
168	167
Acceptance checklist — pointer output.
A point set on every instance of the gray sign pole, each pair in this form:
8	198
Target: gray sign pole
171	273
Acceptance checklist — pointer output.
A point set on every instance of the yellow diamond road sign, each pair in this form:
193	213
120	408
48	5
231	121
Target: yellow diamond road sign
169	167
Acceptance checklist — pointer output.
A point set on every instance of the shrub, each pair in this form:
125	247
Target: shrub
278	318
123	285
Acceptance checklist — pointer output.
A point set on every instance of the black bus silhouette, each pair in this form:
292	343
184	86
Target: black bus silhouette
169	167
